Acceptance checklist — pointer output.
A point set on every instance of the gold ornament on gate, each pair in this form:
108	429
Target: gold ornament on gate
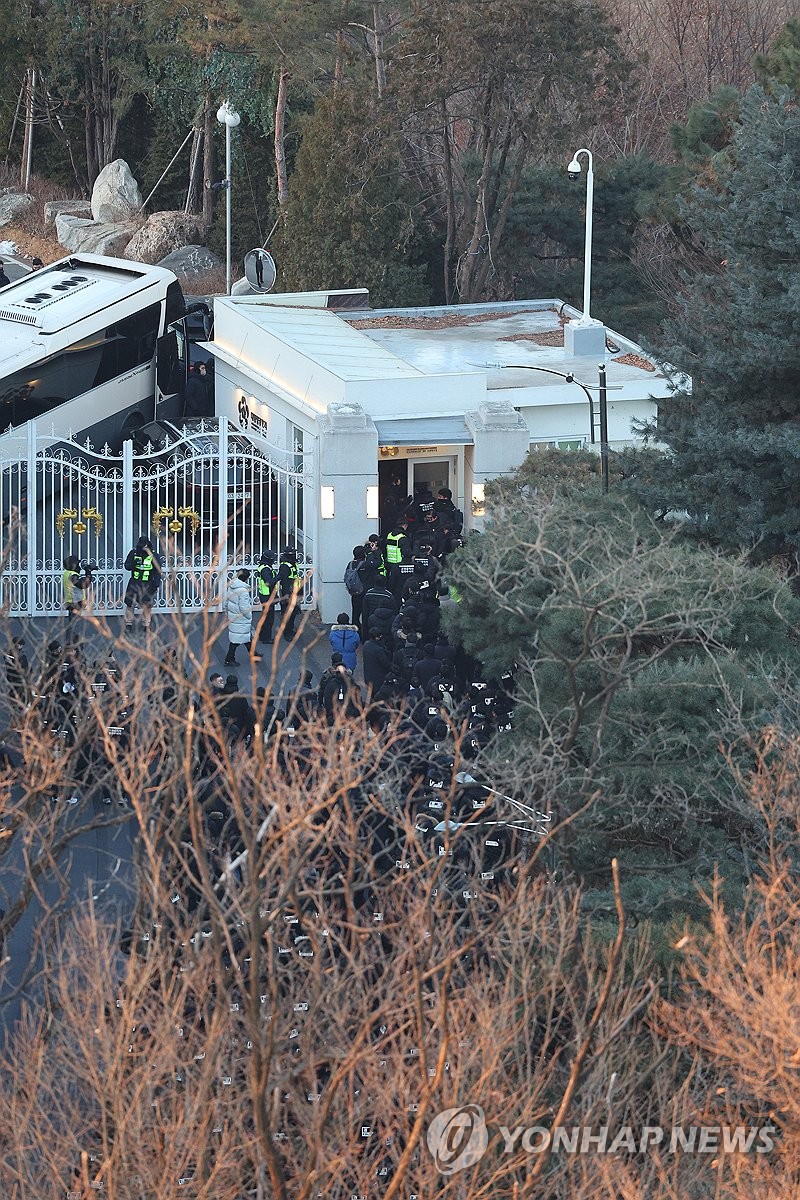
190	515
66	514
91	514
78	527
161	514
175	523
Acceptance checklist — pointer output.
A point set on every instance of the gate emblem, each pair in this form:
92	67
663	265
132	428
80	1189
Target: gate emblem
173	523
69	514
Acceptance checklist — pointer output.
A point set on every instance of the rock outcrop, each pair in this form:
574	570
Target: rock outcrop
76	234
115	195
12	204
162	234
72	208
191	261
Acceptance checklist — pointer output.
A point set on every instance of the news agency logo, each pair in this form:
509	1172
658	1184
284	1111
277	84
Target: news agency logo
457	1138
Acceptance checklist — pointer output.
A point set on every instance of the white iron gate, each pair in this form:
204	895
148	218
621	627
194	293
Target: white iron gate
211	499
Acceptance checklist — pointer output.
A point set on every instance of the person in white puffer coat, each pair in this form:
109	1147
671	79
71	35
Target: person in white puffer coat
238	608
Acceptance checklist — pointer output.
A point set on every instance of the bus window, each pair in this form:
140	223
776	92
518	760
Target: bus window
175	306
137	336
98	359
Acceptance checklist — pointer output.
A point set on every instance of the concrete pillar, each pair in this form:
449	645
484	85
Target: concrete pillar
348	463
585	340
501	441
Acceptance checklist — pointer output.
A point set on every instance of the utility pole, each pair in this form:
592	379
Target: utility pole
603	428
27	144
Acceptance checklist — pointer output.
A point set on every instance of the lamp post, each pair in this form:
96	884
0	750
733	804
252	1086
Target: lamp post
603	427
228	117
574	171
587	388
568	378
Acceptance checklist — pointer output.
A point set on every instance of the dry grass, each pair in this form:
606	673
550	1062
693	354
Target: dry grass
635	360
553	337
446	321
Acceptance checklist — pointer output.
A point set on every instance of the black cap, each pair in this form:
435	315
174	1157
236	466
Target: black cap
269	556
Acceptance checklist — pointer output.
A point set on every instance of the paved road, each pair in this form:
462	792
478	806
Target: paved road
14	267
99	861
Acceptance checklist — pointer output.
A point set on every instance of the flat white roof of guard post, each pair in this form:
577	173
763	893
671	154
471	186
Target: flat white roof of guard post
436	362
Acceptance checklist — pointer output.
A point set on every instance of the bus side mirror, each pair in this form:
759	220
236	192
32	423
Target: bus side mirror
167	364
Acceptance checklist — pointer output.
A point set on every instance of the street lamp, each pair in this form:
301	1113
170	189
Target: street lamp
568	378
587	388
228	117
574	172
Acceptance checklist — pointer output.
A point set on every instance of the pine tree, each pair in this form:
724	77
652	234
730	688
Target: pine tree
350	219
734	434
645	668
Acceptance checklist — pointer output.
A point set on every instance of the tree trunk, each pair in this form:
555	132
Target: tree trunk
377	45
450	195
280	133
208	164
195	182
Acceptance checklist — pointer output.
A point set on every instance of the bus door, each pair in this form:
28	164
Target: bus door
171	368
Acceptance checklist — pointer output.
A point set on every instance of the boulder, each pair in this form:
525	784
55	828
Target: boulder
162	233
76	234
115	195
73	208
191	261
243	288
12	204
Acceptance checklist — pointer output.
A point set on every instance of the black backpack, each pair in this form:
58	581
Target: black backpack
353	579
408	662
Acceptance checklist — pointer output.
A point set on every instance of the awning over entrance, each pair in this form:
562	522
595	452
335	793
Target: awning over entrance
424	431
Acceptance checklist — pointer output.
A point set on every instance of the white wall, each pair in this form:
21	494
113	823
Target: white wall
568	421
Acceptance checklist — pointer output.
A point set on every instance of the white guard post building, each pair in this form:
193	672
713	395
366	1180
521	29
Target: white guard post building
379	400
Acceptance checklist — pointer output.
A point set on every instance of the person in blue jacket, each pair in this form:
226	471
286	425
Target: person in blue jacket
344	638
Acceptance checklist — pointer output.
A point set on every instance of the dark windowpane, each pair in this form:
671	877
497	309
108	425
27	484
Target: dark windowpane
176	305
95	360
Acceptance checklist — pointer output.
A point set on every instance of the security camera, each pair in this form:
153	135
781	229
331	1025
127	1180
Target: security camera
574	169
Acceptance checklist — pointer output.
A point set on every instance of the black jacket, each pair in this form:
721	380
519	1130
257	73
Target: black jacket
376	662
341	695
375	598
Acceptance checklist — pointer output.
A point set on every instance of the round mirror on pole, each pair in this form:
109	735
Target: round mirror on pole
259	270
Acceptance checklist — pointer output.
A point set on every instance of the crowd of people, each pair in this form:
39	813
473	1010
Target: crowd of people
391	660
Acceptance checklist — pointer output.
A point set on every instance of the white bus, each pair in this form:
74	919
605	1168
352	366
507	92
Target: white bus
95	346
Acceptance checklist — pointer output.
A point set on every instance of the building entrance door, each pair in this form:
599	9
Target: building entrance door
430	474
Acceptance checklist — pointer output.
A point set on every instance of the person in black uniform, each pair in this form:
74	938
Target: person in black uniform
145	580
289	585
266	582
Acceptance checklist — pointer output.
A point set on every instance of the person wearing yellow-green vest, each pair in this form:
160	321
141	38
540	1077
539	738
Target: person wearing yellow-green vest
75	581
266	583
145	580
398	544
396	551
289	584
